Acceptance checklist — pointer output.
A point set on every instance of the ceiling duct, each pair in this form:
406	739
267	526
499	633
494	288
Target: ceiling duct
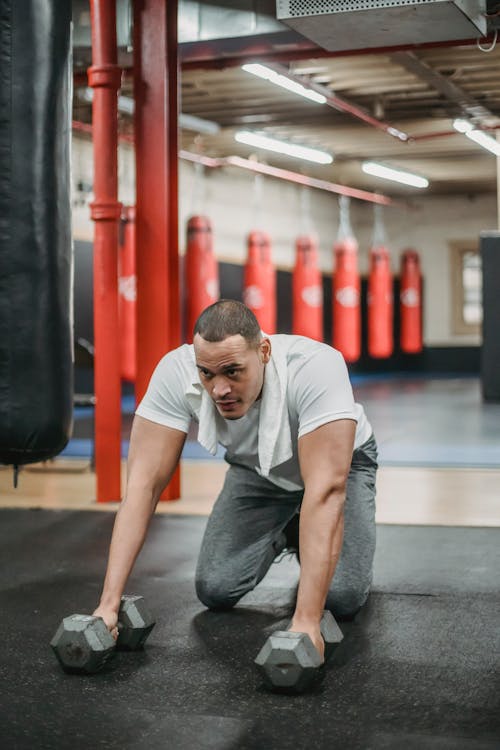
363	24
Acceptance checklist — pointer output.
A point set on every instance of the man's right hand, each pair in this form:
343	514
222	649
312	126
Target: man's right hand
110	617
312	629
153	455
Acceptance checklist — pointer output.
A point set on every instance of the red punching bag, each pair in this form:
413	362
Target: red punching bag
410	297
259	281
127	296
307	290
346	308
201	271
380	305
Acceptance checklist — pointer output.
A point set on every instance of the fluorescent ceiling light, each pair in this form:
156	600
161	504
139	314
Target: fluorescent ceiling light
282	147
478	136
484	140
397	175
463	126
262	71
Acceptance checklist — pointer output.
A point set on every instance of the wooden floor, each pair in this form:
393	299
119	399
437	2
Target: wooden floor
413	496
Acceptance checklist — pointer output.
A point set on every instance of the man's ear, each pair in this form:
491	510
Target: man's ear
265	350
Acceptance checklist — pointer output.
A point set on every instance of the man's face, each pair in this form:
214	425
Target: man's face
232	372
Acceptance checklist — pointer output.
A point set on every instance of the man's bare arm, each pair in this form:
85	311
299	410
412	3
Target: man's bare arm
153	456
325	457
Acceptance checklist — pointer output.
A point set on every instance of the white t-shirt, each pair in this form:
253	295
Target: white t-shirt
318	391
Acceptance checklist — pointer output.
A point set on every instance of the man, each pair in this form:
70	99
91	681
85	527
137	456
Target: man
283	408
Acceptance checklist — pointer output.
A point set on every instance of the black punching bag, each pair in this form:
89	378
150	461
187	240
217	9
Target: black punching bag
36	350
490	350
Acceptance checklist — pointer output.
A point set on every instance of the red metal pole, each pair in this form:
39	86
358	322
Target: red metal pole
104	77
127	296
156	113
174	323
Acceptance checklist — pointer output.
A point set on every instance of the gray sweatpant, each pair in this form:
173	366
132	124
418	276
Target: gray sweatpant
245	533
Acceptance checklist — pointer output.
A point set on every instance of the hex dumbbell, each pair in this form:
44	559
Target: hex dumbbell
83	643
289	662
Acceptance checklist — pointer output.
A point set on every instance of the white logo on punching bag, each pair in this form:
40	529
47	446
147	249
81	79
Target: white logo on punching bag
312	295
212	289
370	298
253	297
127	288
348	296
410	297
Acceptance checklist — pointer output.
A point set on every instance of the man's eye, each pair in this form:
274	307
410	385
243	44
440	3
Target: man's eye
231	373
205	373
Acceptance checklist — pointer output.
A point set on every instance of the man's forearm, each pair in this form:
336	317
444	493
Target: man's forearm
321	533
153	455
129	533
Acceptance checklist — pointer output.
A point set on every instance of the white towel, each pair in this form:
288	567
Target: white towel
275	443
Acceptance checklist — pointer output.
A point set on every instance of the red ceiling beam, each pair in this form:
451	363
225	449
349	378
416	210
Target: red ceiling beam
286	174
207	54
250	164
343	105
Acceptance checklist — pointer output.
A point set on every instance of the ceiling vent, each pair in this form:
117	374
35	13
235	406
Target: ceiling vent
363	24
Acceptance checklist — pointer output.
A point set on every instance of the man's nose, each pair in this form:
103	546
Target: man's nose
221	387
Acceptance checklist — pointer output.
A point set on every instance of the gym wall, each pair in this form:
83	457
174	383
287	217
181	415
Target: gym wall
230	198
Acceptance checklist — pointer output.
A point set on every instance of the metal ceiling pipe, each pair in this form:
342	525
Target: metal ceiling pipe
285	174
104	77
446	133
342	105
469	106
207	161
253	166
210	161
300	179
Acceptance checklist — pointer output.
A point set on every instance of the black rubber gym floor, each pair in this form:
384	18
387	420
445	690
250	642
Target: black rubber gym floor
419	667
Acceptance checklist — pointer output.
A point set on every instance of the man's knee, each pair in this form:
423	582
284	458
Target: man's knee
213	594
345	603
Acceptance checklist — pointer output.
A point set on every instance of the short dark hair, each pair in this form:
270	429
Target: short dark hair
228	317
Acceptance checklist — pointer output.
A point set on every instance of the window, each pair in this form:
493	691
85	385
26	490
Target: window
467	287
